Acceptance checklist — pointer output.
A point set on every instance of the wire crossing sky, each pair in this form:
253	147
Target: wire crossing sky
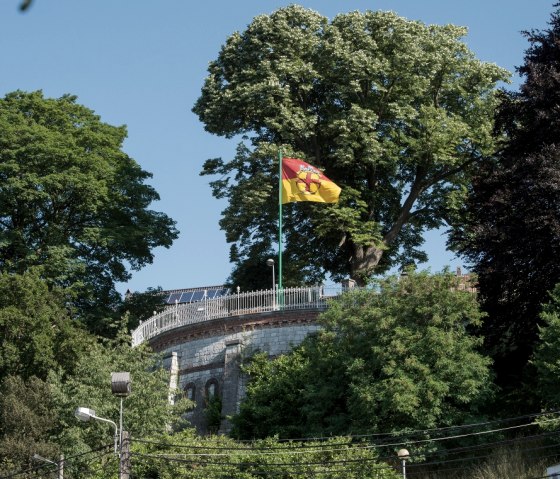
143	63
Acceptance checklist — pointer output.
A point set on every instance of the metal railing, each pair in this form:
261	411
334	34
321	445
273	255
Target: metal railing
236	304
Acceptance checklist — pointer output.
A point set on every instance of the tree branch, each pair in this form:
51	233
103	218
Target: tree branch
416	189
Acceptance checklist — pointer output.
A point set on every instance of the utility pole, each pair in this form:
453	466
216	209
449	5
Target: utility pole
124	461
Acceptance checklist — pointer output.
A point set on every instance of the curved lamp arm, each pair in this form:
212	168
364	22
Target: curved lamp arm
85	414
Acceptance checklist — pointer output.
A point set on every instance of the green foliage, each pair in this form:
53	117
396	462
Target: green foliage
146	411
396	112
27	421
401	356
546	358
72	202
213	414
37	333
184	455
511	462
511	227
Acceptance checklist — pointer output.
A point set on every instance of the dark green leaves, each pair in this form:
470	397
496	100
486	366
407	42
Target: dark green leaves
401	356
71	201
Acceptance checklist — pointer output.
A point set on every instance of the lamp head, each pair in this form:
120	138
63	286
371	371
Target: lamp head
403	454
270	262
84	413
120	384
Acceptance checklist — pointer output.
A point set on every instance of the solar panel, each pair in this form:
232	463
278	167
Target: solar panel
186	297
197	296
211	293
173	297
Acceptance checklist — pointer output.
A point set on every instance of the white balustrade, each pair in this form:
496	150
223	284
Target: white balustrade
234	304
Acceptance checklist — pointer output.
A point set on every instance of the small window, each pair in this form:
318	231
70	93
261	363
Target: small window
190	391
211	389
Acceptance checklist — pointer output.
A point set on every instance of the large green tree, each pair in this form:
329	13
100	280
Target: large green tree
396	112
401	356
546	358
511	229
27	420
72	202
37	333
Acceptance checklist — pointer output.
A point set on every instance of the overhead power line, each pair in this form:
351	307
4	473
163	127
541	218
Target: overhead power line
66	460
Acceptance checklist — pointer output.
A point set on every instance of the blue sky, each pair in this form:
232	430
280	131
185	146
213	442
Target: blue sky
142	63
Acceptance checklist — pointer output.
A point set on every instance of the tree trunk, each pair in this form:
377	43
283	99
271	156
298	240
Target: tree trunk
366	258
363	263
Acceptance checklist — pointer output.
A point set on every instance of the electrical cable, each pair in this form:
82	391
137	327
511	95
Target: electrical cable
362	460
485	456
501	442
247	464
388	435
337	447
423	431
43	465
292	468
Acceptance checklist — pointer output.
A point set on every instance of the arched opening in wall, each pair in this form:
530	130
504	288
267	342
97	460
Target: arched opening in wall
212	389
213	404
189	391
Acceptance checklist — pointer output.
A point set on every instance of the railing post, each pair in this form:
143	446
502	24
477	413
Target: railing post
238	290
206	303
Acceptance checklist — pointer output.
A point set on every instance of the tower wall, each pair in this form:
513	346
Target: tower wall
209	355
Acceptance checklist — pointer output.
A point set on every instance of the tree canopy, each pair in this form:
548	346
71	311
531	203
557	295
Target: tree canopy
546	358
37	334
37	415
396	112
72	202
511	228
399	357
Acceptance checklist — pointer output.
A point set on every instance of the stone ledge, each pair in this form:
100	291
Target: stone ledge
235	324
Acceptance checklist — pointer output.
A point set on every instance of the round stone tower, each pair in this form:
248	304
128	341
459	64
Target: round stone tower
204	342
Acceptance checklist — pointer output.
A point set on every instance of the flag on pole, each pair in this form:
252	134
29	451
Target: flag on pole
303	182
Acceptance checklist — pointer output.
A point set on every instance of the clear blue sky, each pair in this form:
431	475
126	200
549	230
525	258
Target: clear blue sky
142	63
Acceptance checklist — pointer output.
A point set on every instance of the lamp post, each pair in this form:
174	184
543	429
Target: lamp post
270	263
120	386
403	455
59	465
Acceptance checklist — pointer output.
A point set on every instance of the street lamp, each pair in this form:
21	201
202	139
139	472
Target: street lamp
270	263
59	465
120	386
404	455
85	414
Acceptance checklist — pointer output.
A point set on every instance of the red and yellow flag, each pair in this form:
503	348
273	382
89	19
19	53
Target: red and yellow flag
303	182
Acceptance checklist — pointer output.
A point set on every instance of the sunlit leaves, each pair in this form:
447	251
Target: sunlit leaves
389	108
400	356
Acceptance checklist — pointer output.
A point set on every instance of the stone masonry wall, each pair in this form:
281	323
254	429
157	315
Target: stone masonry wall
209	354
